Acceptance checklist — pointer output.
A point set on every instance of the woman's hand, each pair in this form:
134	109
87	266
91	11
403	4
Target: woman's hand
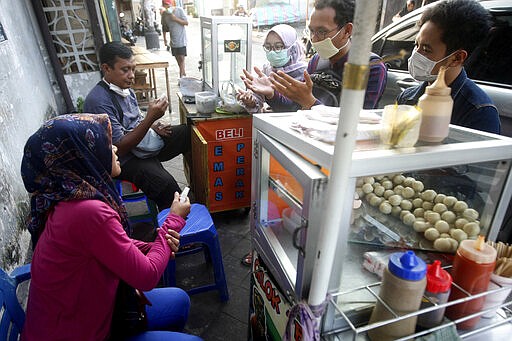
246	98
260	85
173	240
180	208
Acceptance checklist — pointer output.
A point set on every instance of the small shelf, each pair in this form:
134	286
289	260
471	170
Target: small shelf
354	326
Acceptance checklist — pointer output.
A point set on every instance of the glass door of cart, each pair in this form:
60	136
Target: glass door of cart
287	198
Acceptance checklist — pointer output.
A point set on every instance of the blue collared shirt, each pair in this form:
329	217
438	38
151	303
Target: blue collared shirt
472	107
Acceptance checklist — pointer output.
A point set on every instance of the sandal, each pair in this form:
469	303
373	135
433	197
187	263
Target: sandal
247	259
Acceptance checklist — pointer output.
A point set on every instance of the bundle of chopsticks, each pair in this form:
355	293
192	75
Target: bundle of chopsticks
503	258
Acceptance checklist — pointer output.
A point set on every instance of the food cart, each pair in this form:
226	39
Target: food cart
288	196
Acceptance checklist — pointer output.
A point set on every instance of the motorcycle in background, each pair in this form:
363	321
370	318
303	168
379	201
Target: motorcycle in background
126	31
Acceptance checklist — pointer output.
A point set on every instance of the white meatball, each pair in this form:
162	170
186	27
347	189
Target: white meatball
431	234
444	235
375	201
408	192
432	217
472	229
396	210
460	206
419	212
398	189
388	193
369	196
369	180
420	226
470	214
442	226
379	177
367	188
427	205
359	192
439	198
449	217
379	190
460	222
387	184
439	208
395	200
398	179
417	202
385	207
359	182
406	205
408	181
418	186
449	201
443	244
459	235
409	219
428	195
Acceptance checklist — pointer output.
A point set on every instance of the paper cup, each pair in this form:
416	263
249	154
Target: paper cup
498	297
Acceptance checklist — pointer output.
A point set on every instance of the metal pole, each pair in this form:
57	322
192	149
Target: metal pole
355	79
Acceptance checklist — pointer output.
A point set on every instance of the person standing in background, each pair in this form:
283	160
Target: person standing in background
163	20
176	21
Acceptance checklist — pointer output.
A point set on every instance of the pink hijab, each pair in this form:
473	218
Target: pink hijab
296	66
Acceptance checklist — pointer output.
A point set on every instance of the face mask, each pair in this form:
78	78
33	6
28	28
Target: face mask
326	48
278	59
420	67
118	90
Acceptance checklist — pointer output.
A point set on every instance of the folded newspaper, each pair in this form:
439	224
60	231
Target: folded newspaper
321	123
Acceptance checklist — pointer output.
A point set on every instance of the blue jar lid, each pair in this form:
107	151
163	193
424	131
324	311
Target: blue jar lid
407	265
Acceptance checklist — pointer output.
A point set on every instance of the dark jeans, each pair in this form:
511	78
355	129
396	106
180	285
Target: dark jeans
150	176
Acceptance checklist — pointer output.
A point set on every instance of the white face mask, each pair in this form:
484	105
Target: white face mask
420	67
326	49
118	90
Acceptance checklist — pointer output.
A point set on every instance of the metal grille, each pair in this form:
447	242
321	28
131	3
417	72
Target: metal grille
69	25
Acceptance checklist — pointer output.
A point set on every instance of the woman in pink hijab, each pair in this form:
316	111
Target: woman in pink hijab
284	52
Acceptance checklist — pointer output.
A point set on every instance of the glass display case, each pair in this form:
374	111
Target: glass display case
226	50
290	178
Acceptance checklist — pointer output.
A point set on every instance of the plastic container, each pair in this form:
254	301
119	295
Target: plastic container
402	288
206	101
437	292
472	268
436	106
400	125
495	299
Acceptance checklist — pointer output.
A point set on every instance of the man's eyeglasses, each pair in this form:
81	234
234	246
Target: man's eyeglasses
277	47
320	34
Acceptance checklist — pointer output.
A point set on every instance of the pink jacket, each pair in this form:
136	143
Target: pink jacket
79	259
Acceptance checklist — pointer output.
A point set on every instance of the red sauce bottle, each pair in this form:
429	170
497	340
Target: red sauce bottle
472	269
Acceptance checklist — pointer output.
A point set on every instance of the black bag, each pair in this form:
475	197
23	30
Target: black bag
129	316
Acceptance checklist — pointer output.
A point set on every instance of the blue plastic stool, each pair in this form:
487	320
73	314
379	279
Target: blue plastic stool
136	196
199	229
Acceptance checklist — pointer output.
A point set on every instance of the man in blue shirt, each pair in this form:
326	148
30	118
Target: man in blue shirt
449	32
112	95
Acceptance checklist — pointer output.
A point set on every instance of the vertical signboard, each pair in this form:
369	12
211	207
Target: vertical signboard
229	162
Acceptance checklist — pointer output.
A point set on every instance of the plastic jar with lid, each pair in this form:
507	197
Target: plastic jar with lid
437	292
402	288
472	268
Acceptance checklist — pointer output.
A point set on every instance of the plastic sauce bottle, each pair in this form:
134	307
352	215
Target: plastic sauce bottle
436	110
472	268
402	287
439	283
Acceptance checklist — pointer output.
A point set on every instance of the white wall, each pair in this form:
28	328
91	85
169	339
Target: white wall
27	98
